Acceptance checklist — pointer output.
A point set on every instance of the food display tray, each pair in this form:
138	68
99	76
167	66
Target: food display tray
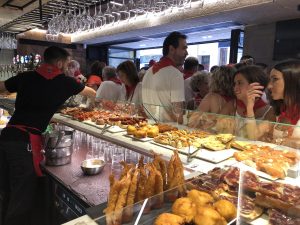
91	123
181	150
146	139
96	213
215	156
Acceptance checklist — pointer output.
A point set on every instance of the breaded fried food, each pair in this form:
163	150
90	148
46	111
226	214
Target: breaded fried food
142	179
122	197
111	180
175	170
112	201
208	216
158	200
170	171
179	175
126	168
169	219
200	198
128	212
160	165
185	208
226	209
150	183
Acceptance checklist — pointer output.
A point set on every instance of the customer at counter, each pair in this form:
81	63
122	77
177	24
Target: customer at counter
284	86
132	87
220	93
110	88
242	107
95	78
163	84
39	94
190	67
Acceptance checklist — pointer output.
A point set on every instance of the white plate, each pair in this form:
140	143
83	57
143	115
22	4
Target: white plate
65	115
262	220
215	156
90	122
138	139
184	150
115	129
245	167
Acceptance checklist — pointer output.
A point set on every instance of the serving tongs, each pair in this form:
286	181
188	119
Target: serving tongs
152	117
105	128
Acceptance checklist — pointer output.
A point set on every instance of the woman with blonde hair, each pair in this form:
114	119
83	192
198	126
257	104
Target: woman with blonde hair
220	90
220	93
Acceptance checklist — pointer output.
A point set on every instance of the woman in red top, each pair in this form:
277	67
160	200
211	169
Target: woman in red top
132	91
284	86
220	93
94	80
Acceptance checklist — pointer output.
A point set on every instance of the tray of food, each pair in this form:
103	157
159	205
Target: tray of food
183	203
142	132
215	156
184	150
142	139
269	162
279	202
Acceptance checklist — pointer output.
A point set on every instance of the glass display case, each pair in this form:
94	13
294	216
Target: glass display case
268	151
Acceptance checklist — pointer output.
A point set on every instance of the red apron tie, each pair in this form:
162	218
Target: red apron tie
36	147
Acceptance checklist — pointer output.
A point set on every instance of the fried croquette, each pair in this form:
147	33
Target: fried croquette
169	219
185	208
226	209
200	198
208	216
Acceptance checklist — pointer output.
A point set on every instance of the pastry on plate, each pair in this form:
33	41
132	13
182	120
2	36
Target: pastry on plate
225	138
214	145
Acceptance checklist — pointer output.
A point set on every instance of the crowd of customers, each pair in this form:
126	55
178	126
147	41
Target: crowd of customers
165	89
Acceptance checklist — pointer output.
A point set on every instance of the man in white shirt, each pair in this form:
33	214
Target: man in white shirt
163	84
110	88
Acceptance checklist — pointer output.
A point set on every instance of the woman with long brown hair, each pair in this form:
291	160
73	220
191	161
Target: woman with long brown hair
132	88
284	86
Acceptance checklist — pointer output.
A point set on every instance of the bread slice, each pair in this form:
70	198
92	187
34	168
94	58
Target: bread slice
214	145
240	145
225	138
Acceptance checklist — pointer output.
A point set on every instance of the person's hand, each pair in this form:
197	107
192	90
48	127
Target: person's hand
255	90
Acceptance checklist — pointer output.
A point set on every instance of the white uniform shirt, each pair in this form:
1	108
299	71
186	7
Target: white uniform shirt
136	98
109	90
162	89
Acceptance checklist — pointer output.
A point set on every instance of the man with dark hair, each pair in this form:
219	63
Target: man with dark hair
190	67
163	83
40	93
200	67
247	59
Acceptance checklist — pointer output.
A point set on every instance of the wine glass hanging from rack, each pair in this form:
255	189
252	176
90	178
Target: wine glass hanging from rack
78	16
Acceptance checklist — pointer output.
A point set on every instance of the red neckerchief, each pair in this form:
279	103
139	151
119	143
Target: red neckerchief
94	79
115	80
226	98
163	62
129	91
198	99
77	73
48	71
289	116
257	105
187	74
